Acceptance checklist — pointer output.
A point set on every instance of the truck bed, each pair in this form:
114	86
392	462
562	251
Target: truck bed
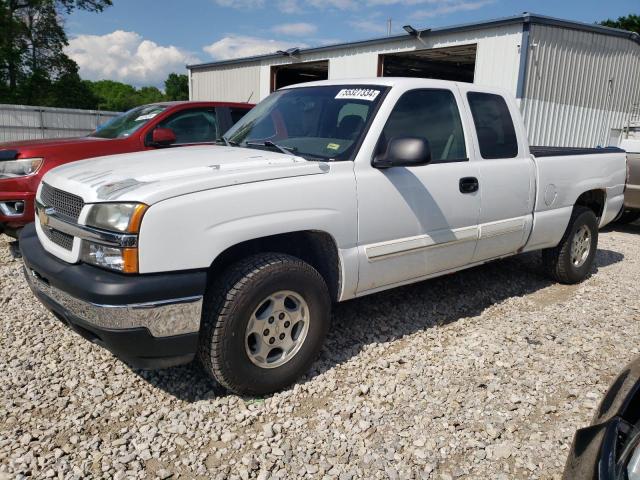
566	151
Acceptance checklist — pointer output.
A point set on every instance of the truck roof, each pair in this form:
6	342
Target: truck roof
404	82
178	103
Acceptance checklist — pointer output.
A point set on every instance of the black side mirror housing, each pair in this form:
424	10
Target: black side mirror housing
405	152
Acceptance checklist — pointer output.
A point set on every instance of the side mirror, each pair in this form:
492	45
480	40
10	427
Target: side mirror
163	137
405	152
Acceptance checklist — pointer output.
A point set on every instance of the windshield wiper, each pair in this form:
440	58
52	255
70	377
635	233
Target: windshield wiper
270	144
227	142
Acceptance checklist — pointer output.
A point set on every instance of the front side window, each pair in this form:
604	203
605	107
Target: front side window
431	114
319	123
129	122
193	126
494	126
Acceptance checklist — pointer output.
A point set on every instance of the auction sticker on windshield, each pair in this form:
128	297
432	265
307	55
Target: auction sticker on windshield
148	116
368	94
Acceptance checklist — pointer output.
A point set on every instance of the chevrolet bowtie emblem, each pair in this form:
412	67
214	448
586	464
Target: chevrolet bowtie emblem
43	215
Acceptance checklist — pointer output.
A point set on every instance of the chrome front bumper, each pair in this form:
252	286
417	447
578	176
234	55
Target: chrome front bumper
163	318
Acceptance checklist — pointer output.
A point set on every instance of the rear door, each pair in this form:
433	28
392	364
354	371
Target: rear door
506	174
418	221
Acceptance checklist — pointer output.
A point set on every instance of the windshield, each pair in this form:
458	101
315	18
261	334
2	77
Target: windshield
127	123
320	123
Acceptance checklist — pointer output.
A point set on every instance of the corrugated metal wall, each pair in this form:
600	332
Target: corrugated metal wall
579	86
20	122
497	63
233	83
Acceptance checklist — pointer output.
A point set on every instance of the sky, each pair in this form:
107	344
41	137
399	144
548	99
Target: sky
141	41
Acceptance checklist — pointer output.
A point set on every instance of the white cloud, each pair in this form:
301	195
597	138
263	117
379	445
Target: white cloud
289	6
239	46
339	4
378	26
295	29
440	7
451	6
126	57
293	6
240	4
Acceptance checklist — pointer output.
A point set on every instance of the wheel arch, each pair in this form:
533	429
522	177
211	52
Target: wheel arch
317	248
595	200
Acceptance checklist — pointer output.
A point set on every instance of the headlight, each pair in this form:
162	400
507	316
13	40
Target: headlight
123	260
118	217
123	219
19	168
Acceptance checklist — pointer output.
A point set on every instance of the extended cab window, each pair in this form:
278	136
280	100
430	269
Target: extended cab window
193	126
431	114
494	126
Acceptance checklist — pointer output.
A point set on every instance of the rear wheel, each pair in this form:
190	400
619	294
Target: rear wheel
264	322
571	261
629	216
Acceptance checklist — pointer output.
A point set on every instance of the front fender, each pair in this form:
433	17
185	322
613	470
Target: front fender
190	231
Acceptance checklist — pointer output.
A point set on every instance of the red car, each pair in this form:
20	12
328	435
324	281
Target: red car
159	125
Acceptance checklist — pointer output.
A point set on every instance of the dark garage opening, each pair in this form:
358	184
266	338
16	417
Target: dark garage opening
285	75
450	63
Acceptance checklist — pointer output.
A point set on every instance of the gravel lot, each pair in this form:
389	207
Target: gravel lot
482	374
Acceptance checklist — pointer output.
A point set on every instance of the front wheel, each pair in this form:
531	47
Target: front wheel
263	324
571	261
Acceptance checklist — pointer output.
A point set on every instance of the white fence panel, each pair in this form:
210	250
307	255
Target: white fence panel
22	122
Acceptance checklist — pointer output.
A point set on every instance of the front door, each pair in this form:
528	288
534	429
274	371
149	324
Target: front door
418	221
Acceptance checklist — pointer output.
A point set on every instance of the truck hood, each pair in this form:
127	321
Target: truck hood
49	143
152	176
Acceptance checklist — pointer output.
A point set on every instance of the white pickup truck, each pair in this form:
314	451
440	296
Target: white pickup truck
324	192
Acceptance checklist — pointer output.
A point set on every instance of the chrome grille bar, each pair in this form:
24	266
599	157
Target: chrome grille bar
65	203
49	218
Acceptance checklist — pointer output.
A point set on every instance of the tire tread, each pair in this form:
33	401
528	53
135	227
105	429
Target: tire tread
220	304
552	257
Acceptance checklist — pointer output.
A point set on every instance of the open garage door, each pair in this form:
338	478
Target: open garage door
285	75
450	63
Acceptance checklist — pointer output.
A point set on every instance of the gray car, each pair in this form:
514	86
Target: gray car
632	194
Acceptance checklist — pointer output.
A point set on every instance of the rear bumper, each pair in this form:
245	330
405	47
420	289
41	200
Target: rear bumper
149	321
632	197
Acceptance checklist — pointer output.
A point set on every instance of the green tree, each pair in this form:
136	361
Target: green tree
149	95
31	45
176	87
113	95
630	22
119	97
70	91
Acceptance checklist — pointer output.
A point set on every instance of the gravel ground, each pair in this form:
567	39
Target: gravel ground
482	374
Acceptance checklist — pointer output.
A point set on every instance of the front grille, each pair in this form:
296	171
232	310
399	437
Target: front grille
64	203
59	238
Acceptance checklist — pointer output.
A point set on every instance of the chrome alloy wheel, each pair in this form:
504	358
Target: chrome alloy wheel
277	329
580	246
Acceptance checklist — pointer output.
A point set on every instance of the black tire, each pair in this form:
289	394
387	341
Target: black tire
629	216
557	261
230	302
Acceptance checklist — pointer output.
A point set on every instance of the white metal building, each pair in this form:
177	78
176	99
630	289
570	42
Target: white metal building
576	82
